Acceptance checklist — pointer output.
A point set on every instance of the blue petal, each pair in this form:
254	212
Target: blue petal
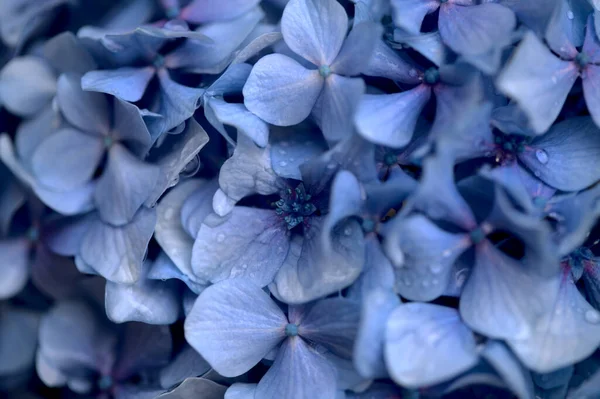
176	152
56	276
591	85
333	323
591	44
356	53
369	346
18	332
27	84
562	157
538	81
233	325
32	132
426	344
193	387
71	202
568	332
116	253
255	46
553	379
314	29
502	299
427	254
177	102
336	106
79	155
565	29
146	301
516	377
14	261
126	83
386	63
163	269
239	117
489	25
129	126
310	272
291	147
390	119
429	45
281	91
377	271
241	391
201	11
409	14
64	236
248	172
298	372
124	186
169	232
85	110
248	243
66	53
188	363
197	207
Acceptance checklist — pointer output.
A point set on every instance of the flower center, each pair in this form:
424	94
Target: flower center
108	141
159	61
581	60
507	146
477	235
172	12
291	330
105	382
368	225
294	206
432	76
390	159
33	233
324	71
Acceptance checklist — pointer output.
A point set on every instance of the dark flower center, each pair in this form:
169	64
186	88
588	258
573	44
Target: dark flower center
324	71
443	1
582	60
295	206
390	159
33	233
432	76
108	141
105	382
291	330
507	146
477	235
368	225
159	61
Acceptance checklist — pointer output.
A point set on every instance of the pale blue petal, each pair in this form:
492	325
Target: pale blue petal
18	340
238	116
427	344
281	91
315	29
201	11
516	377
14	262
356	53
126	83
188	363
386	63
233	325
177	102
195	388
291	147
409	14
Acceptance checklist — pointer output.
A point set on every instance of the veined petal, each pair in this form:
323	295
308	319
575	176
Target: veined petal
409	14
233	325
281	91
126	83
356	53
315	29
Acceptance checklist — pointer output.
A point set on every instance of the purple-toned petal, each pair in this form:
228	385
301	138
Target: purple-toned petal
390	119
247	243
239	117
356	52
336	106
562	158
591	44
281	91
124	186
489	25
54	275
427	344
117	253
233	325
516	377
67	159
27	84
126	83
315	29
202	11
429	45
591	90
409	14
538	81
299	371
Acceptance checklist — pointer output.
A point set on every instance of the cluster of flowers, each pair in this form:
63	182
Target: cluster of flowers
301	199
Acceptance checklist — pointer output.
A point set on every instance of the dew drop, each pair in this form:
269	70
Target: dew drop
570	14
282	151
425	283
554	79
282	163
537	173
435	268
446	253
221	237
331	165
292	159
435	281
245	266
541	156
169	213
412	73
406	282
592	316
347	231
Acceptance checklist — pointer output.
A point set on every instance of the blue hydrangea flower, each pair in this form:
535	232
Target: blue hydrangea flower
283	92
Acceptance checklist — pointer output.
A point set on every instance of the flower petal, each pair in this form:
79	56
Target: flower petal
538	81
126	83
86	110
356	53
426	344
516	377
238	116
14	262
18	340
124	186
314	29
177	102
409	14
562	158
281	91
196	387
201	11
591	87
233	325
187	363
298	372
116	253
248	243
390	119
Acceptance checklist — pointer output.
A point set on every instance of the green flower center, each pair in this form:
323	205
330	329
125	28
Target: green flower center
324	71
477	235
291	330
294	206
432	76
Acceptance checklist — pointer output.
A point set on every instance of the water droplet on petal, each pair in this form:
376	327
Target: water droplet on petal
331	165
435	268
406	282
425	283
282	163
245	266
435	281
570	14
282	151
220	237
541	156
412	73
347	231
592	316
537	173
